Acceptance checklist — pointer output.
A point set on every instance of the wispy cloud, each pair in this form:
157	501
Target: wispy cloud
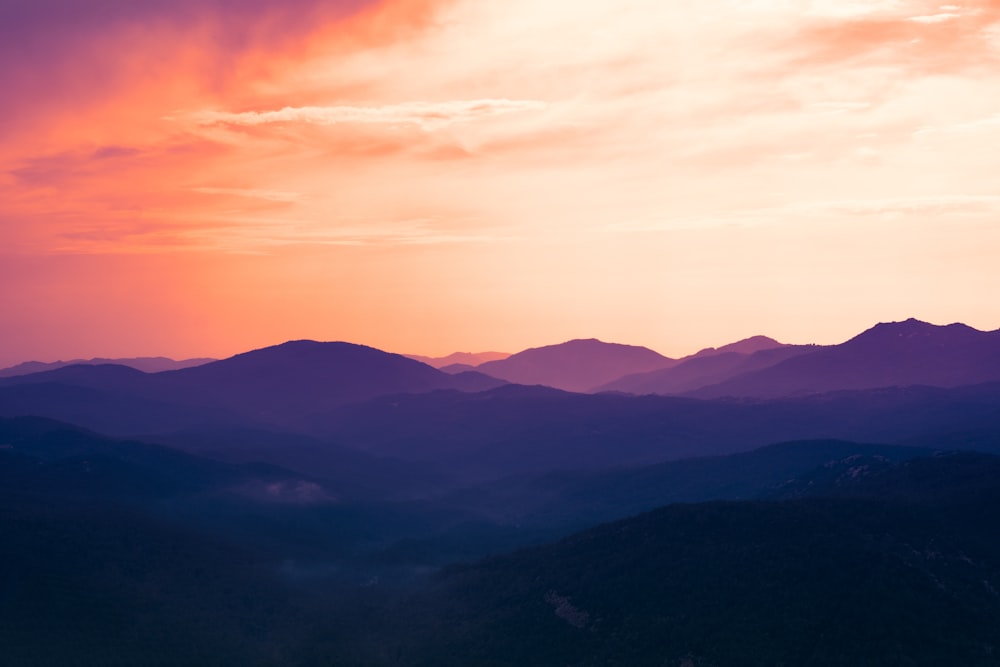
428	115
891	207
259	235
934	18
839	107
253	193
945	203
986	123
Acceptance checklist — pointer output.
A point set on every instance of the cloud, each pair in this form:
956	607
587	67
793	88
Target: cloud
979	124
934	18
839	107
427	115
941	40
253	193
890	207
259	235
947	203
58	56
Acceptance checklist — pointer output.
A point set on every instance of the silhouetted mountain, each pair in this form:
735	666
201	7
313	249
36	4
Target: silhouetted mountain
701	370
119	410
278	514
877	579
457	368
516	511
521	430
579	499
577	365
355	475
271	385
745	346
952	477
144	364
470	359
46	458
893	354
300	377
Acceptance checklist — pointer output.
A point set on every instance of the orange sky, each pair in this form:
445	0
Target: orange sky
429	176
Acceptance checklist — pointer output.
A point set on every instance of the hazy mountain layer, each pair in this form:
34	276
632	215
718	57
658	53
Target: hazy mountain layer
144	364
469	359
577	365
267	386
702	370
896	354
900	570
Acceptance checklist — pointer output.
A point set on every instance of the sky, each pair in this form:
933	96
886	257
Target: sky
203	177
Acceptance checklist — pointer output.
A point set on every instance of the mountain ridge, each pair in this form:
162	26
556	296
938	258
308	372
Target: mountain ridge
575	365
144	364
911	352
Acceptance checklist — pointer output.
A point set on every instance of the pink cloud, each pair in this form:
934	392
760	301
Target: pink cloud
60	56
921	43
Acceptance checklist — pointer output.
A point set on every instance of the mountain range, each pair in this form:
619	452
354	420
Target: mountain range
894	569
889	354
576	365
585	503
270	385
144	364
465	359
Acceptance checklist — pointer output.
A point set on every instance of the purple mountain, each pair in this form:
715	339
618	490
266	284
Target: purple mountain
577	365
745	346
299	376
703	369
269	385
144	364
889	354
468	359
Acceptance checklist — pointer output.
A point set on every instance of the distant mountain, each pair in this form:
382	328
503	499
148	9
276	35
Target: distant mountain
589	498
354	475
704	369
270	385
144	364
50	459
745	346
300	377
902	571
518	429
889	354
470	359
576	365
457	368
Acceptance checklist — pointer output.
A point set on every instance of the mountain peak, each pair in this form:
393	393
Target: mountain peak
468	359
745	346
575	365
914	328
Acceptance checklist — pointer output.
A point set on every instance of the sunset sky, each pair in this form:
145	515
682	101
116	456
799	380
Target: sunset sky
203	177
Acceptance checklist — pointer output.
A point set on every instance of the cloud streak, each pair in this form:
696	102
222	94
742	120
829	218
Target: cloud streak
427	115
928	206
